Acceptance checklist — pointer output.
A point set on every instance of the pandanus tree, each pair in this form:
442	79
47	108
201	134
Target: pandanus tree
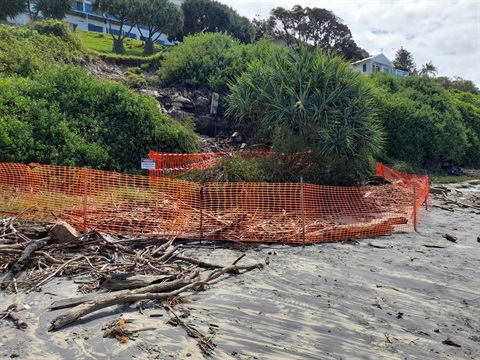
307	100
154	17
122	12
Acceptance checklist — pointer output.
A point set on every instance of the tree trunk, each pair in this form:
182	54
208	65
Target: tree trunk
118	47
148	47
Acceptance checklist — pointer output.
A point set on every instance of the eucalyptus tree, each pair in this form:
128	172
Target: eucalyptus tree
154	17
314	27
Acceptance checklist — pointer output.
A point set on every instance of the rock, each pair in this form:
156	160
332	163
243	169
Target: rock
63	232
183	101
450	237
236	137
148	92
201	100
179	114
214	104
205	125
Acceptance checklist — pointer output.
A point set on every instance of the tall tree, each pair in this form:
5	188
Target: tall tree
404	61
315	27
157	17
53	9
428	69
241	28
123	12
263	27
458	83
203	16
11	8
50	9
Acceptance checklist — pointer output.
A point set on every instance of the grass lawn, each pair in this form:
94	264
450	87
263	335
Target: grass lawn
103	43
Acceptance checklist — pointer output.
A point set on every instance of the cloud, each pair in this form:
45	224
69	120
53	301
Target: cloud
446	32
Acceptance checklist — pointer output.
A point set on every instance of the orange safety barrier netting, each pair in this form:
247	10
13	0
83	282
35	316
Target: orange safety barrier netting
169	164
164	207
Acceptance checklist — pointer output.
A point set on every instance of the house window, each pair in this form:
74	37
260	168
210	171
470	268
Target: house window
95	28
364	67
79	6
88	8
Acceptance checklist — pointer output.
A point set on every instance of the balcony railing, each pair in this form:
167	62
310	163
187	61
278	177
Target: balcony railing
396	72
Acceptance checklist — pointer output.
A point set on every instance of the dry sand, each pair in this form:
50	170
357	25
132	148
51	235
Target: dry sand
327	301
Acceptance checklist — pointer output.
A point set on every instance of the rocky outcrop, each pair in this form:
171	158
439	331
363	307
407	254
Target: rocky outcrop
203	106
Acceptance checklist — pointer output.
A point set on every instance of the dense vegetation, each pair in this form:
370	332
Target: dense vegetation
304	101
294	100
52	112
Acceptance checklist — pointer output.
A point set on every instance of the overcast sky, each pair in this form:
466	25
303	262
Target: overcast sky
446	32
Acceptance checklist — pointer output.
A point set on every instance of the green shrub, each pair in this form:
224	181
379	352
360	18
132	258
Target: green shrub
135	81
232	169
59	29
135	70
64	116
469	106
424	127
24	52
206	60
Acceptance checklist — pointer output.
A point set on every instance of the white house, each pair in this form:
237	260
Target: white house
377	63
83	18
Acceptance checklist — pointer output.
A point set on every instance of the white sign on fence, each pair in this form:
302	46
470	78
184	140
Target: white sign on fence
148	164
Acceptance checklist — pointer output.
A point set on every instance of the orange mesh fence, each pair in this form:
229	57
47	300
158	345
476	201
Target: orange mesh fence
168	164
176	164
418	184
164	207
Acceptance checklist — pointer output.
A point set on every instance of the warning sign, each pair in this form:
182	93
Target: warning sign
148	164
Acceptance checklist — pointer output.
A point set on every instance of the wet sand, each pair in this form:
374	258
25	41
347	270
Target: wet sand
326	301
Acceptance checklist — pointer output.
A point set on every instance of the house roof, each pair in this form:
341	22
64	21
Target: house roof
379	58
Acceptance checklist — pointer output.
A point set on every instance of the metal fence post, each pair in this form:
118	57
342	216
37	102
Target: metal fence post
201	213
85	205
414	206
302	193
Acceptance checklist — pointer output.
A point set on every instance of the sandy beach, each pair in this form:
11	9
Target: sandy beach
405	296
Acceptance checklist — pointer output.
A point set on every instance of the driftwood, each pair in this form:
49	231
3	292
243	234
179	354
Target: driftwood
18	266
205	343
449	237
449	201
131	281
131	269
151	292
12	314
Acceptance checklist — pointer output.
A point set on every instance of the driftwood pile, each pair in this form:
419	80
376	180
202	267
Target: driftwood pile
124	270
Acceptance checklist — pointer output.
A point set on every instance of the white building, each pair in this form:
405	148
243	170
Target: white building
83	18
377	63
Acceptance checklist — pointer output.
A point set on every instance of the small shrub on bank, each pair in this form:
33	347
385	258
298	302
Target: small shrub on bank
232	169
